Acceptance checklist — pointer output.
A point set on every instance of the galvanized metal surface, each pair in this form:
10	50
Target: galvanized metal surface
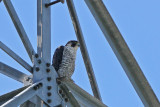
16	57
44	30
28	104
79	96
4	98
22	96
48	75
19	28
65	91
123	53
12	73
83	48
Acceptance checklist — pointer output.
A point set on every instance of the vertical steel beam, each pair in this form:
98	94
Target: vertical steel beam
123	53
19	28
44	30
83	48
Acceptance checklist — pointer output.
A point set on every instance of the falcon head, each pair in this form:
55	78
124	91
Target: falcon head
73	43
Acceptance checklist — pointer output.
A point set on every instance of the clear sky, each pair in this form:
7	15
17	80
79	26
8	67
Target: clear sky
137	20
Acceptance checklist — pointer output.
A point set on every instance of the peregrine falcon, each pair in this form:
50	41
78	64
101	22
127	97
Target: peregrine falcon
64	59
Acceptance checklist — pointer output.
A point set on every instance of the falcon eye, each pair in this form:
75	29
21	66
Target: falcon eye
73	44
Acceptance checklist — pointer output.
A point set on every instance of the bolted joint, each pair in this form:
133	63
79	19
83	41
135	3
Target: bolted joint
58	81
60	91
49	87
48	70
49	100
39	61
54	2
36	55
40	84
37	69
49	94
63	95
48	64
49	78
35	87
66	99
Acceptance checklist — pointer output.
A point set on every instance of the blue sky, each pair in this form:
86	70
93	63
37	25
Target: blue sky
137	20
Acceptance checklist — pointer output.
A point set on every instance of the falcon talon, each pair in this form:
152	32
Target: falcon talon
54	2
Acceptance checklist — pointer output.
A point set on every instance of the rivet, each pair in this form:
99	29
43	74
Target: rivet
49	94
37	69
49	78
36	55
63	95
40	84
66	99
58	82
47	64
49	100
35	87
48	70
39	61
60	91
49	87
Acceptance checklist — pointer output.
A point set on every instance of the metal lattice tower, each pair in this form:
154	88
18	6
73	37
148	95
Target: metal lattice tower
41	88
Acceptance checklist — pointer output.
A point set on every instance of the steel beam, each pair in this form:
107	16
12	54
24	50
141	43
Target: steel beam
11	72
79	97
83	48
4	98
28	104
44	30
15	57
19	28
22	96
123	53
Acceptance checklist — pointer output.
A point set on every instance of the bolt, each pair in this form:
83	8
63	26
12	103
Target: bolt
60	91
49	78
54	2
36	55
49	94
40	84
47	70
49	100
35	87
39	61
66	99
58	82
47	64
63	95
49	87
37	69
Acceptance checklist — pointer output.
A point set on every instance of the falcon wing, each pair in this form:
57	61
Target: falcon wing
57	57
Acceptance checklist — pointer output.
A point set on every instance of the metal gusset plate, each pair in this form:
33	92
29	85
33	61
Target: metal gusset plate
44	71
